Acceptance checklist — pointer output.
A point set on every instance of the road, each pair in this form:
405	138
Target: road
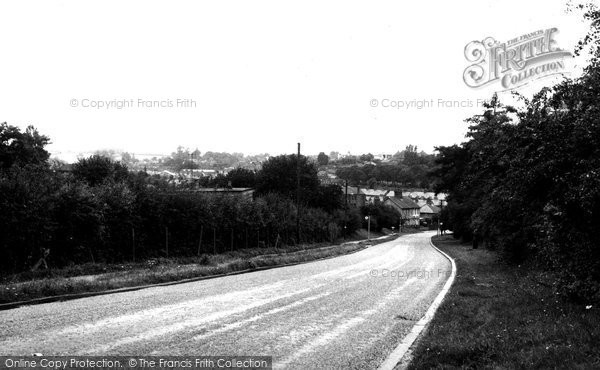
344	312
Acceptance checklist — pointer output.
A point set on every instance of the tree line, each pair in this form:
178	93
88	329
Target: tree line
408	168
102	212
527	181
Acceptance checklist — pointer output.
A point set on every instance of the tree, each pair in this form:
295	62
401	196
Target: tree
367	157
527	182
178	159
322	159
22	148
108	153
128	159
381	216
241	178
411	156
354	175
328	197
278	175
96	169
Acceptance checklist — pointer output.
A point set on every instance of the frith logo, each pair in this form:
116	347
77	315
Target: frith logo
516	62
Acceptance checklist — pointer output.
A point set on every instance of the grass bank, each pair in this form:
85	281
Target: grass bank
101	277
505	317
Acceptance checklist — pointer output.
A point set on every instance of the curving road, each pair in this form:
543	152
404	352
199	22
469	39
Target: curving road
345	312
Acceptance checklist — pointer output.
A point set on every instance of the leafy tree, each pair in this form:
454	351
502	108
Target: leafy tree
328	197
382	216
354	175
26	223
128	159
96	169
527	182
279	175
178	160
322	159
367	157
350	159
241	178
411	156
21	148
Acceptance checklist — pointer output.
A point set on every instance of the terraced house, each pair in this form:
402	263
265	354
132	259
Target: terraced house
409	210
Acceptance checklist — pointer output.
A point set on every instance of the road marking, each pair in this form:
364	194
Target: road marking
165	311
392	253
255	318
408	255
328	337
396	356
168	329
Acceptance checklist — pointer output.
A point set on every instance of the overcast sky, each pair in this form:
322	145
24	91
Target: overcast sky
263	74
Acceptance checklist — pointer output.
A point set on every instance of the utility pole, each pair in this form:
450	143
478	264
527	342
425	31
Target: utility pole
298	196
346	196
440	225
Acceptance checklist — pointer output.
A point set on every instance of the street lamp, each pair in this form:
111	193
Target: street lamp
368	218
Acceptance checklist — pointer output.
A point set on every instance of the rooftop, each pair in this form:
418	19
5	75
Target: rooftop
403	203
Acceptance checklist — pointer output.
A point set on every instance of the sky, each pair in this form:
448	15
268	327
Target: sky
256	76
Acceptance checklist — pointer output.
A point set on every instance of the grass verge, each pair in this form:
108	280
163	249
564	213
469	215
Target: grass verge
505	317
101	277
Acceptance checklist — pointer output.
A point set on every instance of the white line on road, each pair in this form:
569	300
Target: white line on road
344	327
169	329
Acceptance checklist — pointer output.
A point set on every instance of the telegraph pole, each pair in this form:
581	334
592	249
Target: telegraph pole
298	196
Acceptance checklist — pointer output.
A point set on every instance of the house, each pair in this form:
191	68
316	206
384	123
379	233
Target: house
383	157
326	178
426	197
376	195
409	210
429	212
197	173
354	197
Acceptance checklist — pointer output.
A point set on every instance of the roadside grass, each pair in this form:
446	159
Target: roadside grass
505	317
100	277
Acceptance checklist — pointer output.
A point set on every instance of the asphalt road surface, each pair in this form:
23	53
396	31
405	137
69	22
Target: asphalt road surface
344	312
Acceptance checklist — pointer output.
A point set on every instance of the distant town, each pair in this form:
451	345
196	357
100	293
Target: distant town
400	180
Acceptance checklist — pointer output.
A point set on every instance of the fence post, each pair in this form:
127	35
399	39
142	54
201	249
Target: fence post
200	241
167	240
133	243
214	241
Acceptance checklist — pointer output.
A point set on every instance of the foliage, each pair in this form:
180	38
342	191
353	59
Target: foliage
21	148
323	159
101	212
97	169
527	182
382	216
279	175
408	168
241	178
